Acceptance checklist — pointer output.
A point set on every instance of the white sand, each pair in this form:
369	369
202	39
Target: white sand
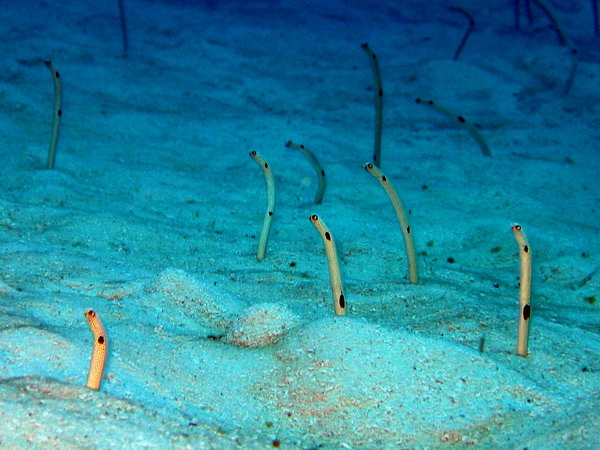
153	213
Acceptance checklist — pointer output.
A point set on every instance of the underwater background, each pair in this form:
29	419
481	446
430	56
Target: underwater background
153	211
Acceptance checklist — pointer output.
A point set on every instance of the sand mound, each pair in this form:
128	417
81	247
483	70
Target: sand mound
348	381
38	411
261	325
189	297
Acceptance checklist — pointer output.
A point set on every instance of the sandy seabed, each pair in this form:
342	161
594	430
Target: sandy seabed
152	216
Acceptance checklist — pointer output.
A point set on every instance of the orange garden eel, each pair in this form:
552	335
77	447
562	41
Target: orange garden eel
409	245
339	301
270	182
524	289
99	351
